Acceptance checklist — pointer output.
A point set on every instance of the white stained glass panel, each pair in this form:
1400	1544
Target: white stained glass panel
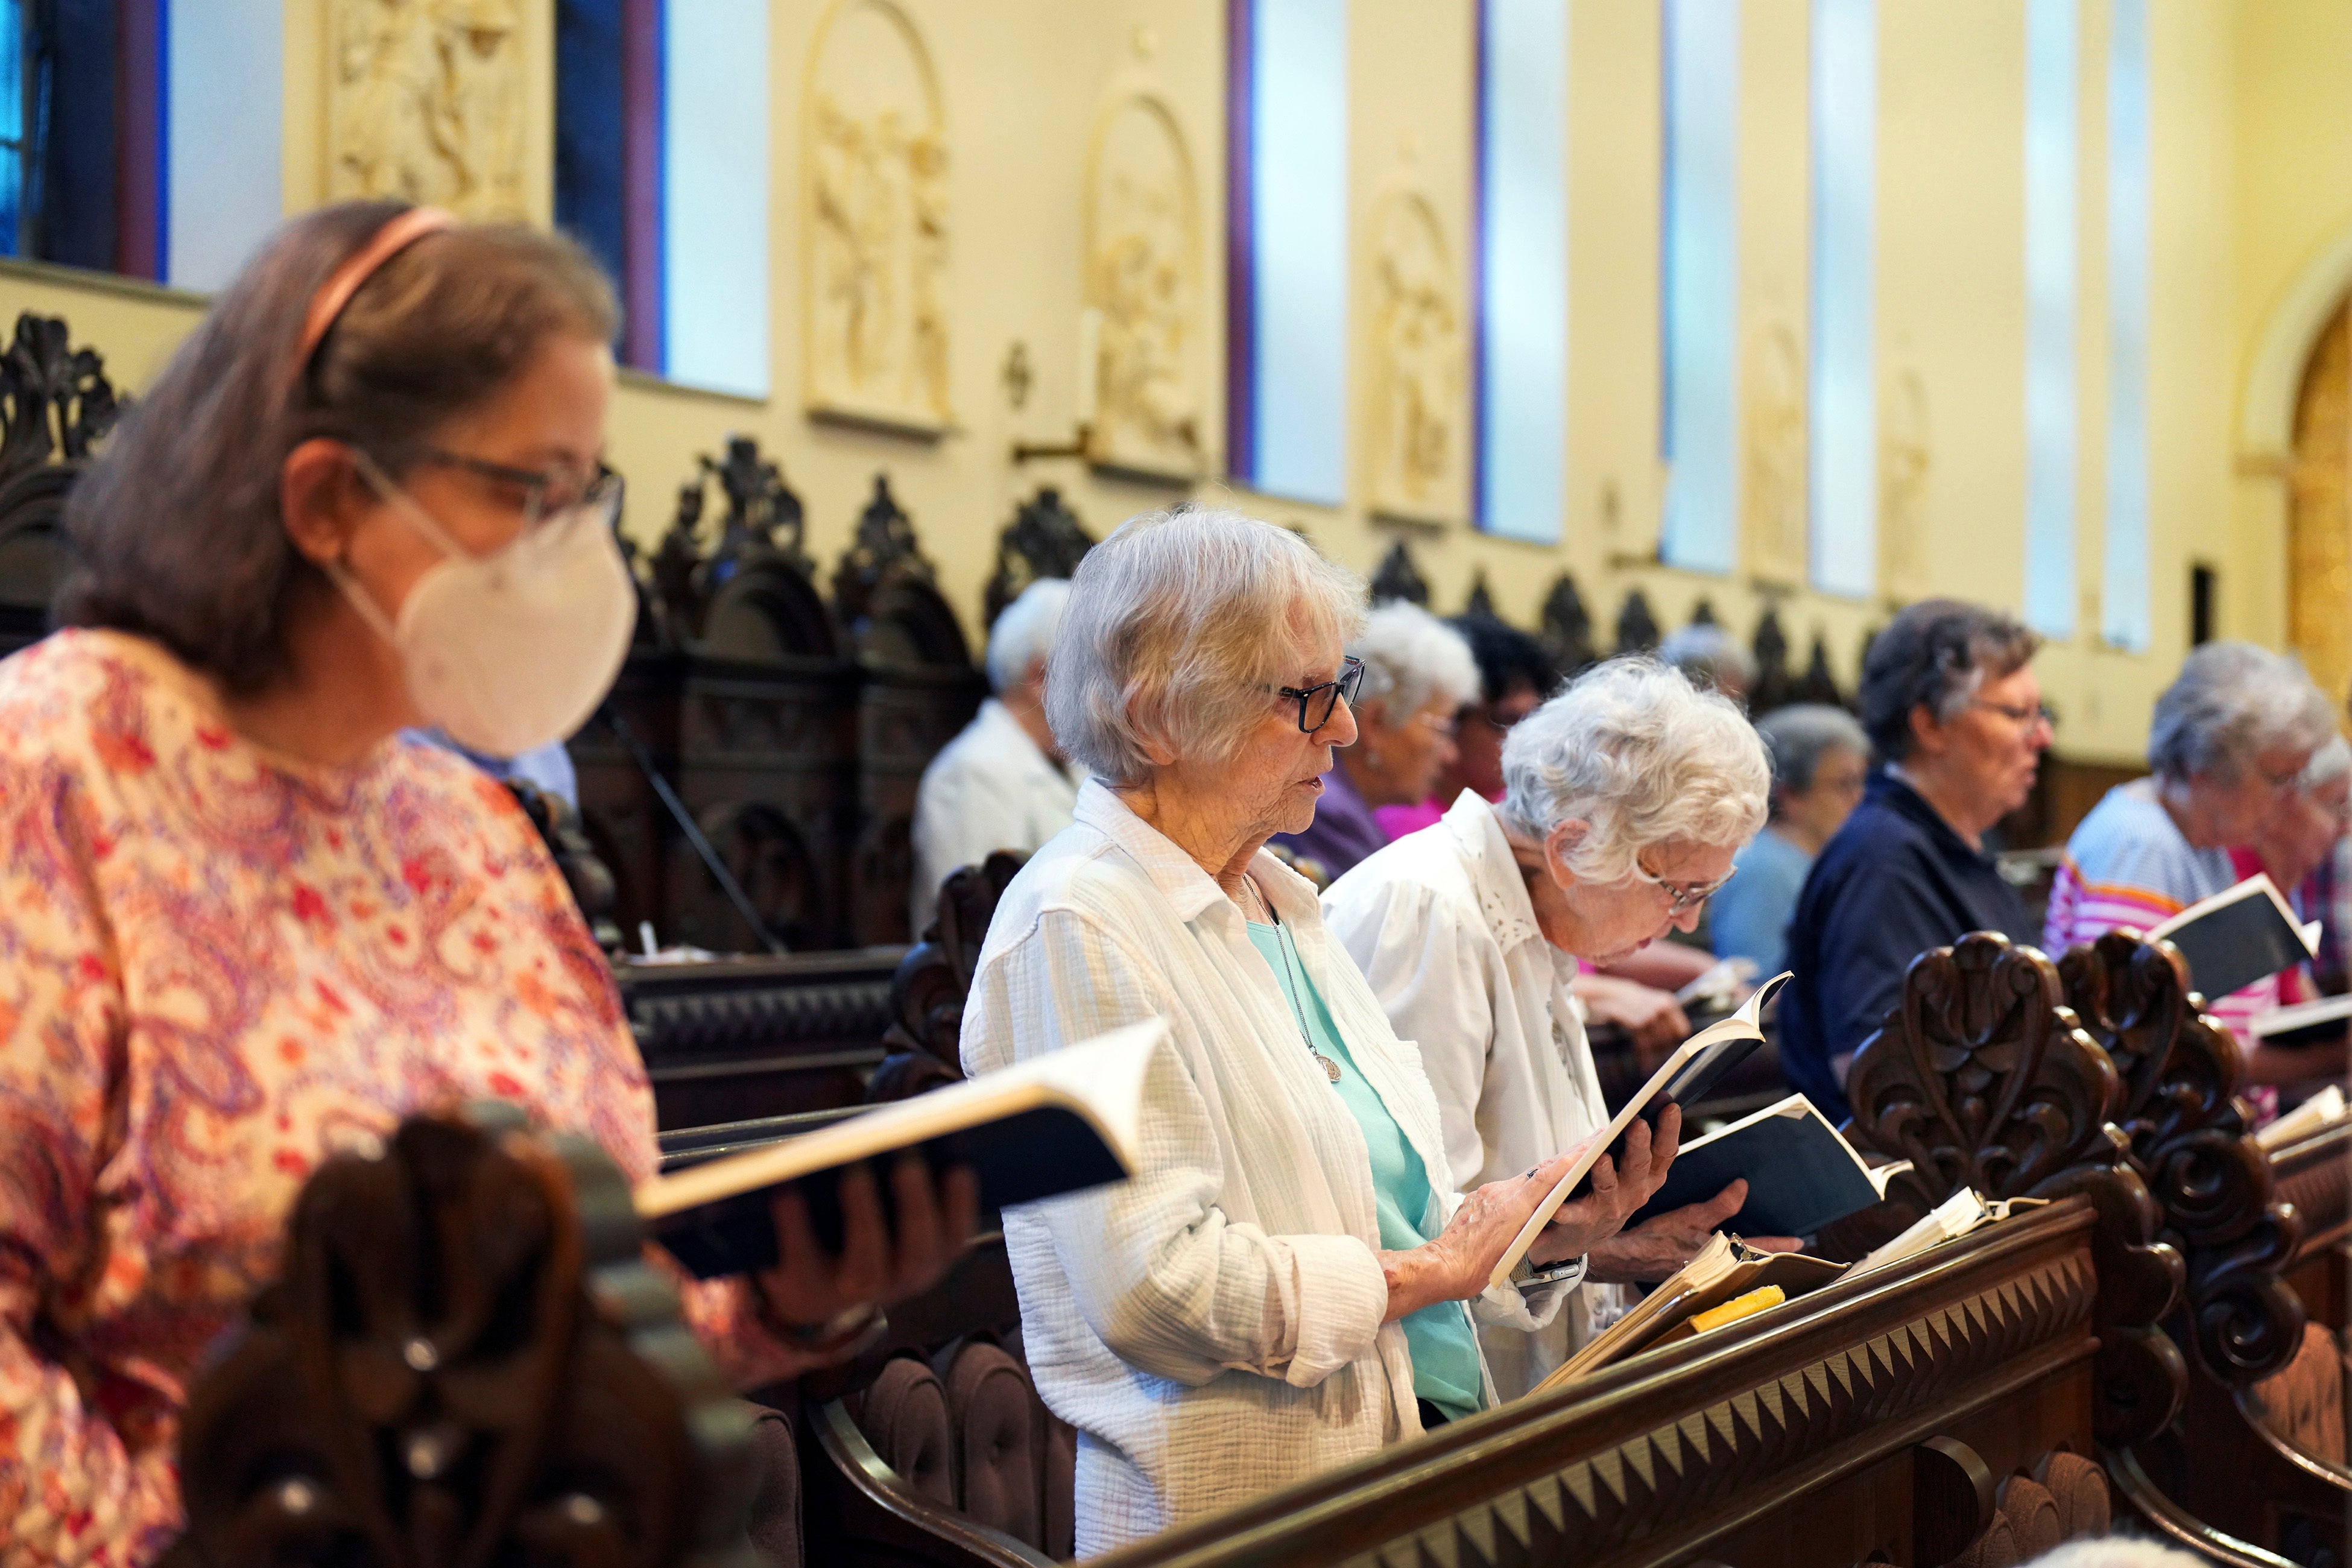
1844	426
715	194
2050	195
1299	247
1522	392
1701	286
222	135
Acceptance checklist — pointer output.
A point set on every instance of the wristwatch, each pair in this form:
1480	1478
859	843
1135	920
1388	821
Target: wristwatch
1566	1271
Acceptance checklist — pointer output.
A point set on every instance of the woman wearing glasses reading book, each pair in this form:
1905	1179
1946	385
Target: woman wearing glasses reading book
247	926
1288	1283
1626	796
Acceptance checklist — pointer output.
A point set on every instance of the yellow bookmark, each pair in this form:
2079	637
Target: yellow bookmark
1739	1307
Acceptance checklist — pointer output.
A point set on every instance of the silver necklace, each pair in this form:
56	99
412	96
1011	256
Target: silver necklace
1291	967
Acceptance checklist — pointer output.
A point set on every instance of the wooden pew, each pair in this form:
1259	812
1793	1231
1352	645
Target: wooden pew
467	1359
731	1040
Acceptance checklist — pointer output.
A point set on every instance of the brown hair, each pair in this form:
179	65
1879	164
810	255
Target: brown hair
176	532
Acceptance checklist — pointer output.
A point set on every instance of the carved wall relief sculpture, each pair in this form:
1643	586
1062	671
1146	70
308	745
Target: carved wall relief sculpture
1413	343
1905	454
1775	492
2319	516
874	232
1142	237
426	103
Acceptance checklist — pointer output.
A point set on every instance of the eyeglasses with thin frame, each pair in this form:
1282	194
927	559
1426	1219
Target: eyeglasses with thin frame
1316	703
545	492
1681	896
2041	716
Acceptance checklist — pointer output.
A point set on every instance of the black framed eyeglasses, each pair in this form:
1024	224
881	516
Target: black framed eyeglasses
545	491
2027	719
1315	703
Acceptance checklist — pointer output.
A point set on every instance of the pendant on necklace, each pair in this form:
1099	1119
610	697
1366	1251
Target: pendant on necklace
1330	1068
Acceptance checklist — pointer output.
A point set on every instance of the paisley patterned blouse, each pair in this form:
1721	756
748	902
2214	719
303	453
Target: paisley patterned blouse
217	966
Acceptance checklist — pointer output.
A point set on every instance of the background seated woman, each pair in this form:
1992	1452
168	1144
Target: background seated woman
1280	1288
245	927
1820	758
1628	794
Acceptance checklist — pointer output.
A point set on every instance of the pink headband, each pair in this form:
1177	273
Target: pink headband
336	292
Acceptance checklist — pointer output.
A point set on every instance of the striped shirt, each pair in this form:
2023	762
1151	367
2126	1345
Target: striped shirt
2127	865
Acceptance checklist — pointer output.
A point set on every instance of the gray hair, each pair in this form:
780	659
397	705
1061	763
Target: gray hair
1707	655
1176	625
1412	657
1799	736
1023	631
176	532
2231	701
2327	764
1938	654
2116	1551
1636	753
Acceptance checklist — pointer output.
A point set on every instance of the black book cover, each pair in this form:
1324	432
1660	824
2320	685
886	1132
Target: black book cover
2233	945
1801	1176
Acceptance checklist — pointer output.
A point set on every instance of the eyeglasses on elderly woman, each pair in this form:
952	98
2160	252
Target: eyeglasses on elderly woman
1315	703
1681	896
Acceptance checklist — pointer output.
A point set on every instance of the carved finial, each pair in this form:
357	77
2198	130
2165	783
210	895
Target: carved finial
1568	626
761	512
1398	578
1703	614
1771	649
1637	628
1481	601
1817	684
54	400
884	547
1043	540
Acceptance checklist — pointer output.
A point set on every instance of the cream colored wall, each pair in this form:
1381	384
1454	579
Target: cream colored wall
2254	160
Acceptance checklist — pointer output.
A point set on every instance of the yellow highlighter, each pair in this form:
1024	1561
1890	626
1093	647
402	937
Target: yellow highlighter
1739	1307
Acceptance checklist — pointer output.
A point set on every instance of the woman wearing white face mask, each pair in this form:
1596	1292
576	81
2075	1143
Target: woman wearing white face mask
244	925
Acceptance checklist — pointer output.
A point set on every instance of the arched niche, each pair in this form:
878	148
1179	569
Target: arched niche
766	612
1141	227
875	226
2319	509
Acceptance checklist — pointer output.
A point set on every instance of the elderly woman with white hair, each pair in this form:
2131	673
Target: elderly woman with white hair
2227	749
1418	676
1001	783
1287	1281
1626	797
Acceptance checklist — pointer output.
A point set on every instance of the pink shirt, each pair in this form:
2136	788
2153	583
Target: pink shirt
218	966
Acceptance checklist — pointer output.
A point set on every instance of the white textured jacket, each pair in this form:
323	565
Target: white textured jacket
1441	922
989	788
1212	1328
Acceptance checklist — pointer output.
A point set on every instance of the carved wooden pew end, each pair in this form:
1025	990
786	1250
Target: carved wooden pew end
467	1359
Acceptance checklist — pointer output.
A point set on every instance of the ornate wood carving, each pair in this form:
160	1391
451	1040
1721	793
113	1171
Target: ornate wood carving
466	1360
1775	494
56	404
928	992
875	228
2180	1072
1712	1447
1043	540
1568	626
1773	681
1141	222
1413	343
1398	578
1482	598
1637	626
1818	684
1981	1079
740	1037
425	103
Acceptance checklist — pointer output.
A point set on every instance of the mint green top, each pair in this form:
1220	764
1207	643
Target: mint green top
1445	1365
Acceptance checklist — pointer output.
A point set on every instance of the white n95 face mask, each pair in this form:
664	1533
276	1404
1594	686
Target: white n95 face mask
508	652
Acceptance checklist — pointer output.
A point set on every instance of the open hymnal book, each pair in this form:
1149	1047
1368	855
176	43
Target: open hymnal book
1955	1216
1726	1270
2239	936
2318	1113
1802	1175
2305	1022
1685	1077
1067	1120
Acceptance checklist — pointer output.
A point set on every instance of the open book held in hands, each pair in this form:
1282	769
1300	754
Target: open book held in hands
1801	1174
1726	1270
2238	936
1685	1078
2304	1024
1051	1125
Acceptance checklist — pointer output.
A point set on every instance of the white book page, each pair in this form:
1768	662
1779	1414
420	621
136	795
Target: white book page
1101	1080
